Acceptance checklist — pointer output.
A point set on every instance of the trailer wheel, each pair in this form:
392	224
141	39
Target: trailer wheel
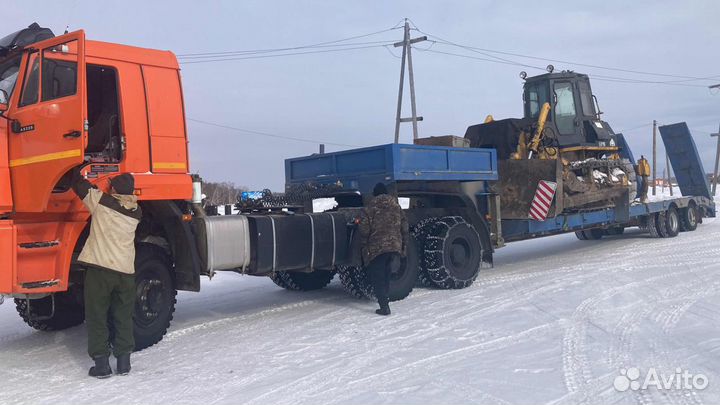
688	218
580	235
594	234
155	296
297	281
615	230
69	310
672	223
652	225
356	281
453	253
661	224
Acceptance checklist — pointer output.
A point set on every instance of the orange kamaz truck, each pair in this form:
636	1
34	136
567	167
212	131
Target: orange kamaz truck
66	101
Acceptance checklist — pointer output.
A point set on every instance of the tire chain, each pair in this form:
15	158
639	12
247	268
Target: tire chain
652	226
420	232
433	259
285	280
355	281
662	224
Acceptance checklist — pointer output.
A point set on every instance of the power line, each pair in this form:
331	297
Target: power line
628	80
292	48
485	59
249	131
634	128
596	77
276	50
468	47
338	46
280	55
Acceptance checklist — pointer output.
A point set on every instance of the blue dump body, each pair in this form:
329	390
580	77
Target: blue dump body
361	169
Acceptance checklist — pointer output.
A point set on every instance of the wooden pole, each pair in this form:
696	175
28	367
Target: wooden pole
406	36
407	43
717	158
412	89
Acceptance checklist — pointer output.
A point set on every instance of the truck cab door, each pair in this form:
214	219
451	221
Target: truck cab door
48	119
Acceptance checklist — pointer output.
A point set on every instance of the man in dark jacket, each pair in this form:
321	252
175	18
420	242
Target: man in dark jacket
109	261
384	235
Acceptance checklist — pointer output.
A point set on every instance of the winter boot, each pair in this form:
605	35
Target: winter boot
123	364
384	309
101	369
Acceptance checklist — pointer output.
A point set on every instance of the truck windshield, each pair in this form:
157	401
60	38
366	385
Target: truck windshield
8	74
536	95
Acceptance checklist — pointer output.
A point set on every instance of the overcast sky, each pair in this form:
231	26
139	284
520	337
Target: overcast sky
350	97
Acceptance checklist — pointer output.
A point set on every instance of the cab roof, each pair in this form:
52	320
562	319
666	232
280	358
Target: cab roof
565	74
132	54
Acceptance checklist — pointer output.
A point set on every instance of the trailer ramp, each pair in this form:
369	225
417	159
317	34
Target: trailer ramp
685	160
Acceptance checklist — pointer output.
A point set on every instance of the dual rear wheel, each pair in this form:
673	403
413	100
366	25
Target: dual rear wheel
444	252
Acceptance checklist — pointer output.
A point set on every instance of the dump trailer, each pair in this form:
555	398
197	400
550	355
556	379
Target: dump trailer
110	109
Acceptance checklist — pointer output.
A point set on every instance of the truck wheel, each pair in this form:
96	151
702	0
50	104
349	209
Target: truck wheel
453	253
355	281
404	278
688	219
69	310
661	224
580	235
420	233
672	223
155	296
297	281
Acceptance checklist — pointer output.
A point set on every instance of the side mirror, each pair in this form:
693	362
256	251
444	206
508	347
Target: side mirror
3	101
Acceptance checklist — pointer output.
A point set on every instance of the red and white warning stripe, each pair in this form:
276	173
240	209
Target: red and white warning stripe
543	200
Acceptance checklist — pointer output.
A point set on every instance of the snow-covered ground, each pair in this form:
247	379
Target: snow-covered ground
554	322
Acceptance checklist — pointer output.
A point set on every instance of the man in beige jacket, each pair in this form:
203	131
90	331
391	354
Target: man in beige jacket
109	261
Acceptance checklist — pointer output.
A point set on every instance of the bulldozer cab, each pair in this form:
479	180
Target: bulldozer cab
574	118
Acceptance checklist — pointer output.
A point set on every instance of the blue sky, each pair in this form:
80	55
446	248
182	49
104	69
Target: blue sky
349	97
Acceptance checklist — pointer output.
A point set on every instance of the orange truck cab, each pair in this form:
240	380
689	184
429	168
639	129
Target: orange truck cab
65	102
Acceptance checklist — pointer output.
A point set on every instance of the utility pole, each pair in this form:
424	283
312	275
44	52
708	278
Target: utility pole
717	157
407	43
654	172
717	154
669	173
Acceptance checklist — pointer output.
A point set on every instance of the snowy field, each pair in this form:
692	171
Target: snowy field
554	322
